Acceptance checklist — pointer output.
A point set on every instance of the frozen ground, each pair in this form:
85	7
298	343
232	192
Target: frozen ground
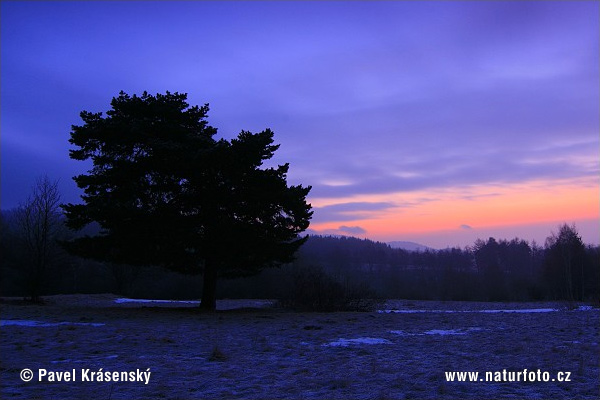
265	353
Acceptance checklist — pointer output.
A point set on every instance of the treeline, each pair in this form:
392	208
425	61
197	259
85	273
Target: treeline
66	274
330	267
489	270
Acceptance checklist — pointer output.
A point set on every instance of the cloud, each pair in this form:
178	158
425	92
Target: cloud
393	97
474	197
464	166
349	211
466	227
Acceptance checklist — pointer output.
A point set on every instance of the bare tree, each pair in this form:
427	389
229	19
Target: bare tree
39	220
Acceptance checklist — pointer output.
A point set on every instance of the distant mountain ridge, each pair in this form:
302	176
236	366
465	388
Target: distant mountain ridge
408	246
397	244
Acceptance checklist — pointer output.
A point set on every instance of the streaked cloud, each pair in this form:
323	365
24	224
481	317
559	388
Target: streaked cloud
349	211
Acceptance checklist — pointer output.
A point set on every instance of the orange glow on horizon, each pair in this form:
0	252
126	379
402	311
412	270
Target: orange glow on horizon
490	206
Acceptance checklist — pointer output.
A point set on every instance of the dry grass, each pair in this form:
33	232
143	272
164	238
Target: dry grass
217	354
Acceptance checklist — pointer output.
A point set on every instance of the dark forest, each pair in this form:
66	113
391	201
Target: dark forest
330	268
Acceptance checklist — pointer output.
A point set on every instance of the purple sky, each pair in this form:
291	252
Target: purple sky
382	107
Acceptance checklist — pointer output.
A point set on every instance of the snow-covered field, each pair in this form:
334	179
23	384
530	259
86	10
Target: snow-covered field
258	352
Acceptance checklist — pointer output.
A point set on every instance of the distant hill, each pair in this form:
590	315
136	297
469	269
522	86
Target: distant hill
398	244
408	246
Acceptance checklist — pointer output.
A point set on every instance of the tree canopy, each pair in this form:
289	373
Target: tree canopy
565	262
165	191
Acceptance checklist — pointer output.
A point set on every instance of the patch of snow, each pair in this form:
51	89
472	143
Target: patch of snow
31	323
126	300
402	333
524	310
366	340
438	332
445	332
413	311
585	308
223	304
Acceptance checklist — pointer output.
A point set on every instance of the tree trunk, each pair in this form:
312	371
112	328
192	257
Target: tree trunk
209	286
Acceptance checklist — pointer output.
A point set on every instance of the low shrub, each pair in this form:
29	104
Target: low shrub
312	289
